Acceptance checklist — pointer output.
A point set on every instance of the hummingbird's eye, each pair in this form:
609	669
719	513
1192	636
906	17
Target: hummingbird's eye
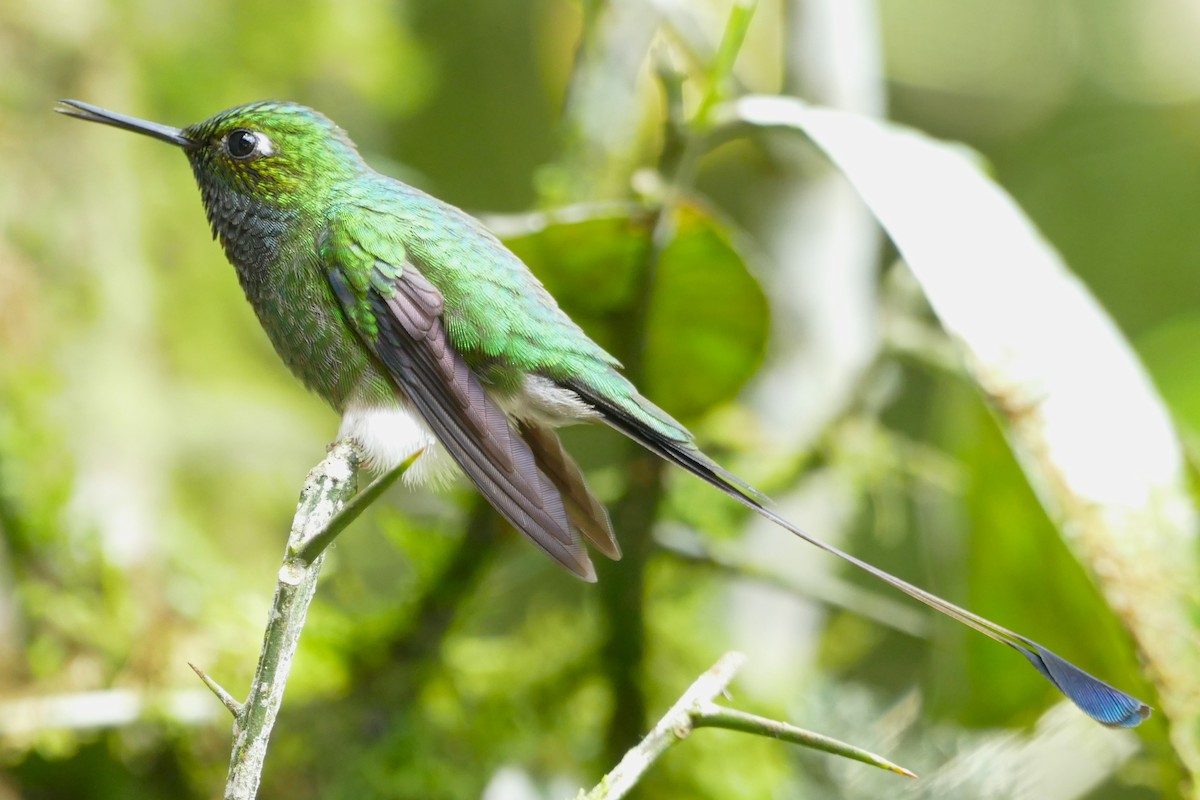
242	144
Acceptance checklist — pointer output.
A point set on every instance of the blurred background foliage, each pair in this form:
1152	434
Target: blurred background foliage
151	444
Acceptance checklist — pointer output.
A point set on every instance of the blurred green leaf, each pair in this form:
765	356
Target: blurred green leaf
708	319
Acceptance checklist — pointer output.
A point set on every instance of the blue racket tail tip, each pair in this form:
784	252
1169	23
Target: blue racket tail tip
1094	697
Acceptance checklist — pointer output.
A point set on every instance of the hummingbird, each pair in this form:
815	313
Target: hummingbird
426	334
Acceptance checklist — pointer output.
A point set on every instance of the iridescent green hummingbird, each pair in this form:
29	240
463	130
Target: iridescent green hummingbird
424	332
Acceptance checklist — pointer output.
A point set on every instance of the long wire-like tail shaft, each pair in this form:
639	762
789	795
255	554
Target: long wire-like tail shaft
1097	699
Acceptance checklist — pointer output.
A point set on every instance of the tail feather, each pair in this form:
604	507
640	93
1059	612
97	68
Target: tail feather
585	512
1094	697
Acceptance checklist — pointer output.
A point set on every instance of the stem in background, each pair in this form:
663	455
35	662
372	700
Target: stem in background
622	594
416	642
722	64
623	589
602	109
622	586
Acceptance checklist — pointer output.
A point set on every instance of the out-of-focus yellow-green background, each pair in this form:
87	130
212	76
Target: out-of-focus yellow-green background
152	445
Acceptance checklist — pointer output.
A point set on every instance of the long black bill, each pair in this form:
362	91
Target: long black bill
91	113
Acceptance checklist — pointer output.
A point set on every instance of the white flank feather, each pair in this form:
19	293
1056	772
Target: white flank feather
390	434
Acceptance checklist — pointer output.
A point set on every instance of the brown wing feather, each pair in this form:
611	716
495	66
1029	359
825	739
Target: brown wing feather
584	511
412	343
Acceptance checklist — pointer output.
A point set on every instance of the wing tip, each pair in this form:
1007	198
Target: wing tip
603	539
585	570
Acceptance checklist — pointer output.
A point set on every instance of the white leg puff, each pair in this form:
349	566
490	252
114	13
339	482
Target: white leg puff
390	434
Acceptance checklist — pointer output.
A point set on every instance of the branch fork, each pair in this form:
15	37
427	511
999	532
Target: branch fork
327	505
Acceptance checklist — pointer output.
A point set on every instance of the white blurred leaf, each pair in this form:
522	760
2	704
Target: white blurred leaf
1092	434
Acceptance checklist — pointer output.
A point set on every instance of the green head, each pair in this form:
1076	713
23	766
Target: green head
282	154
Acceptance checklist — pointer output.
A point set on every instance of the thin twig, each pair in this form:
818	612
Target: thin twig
309	547
711	715
225	697
674	726
696	709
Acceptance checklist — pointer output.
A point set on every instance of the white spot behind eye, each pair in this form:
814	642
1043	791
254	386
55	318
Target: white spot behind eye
263	146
